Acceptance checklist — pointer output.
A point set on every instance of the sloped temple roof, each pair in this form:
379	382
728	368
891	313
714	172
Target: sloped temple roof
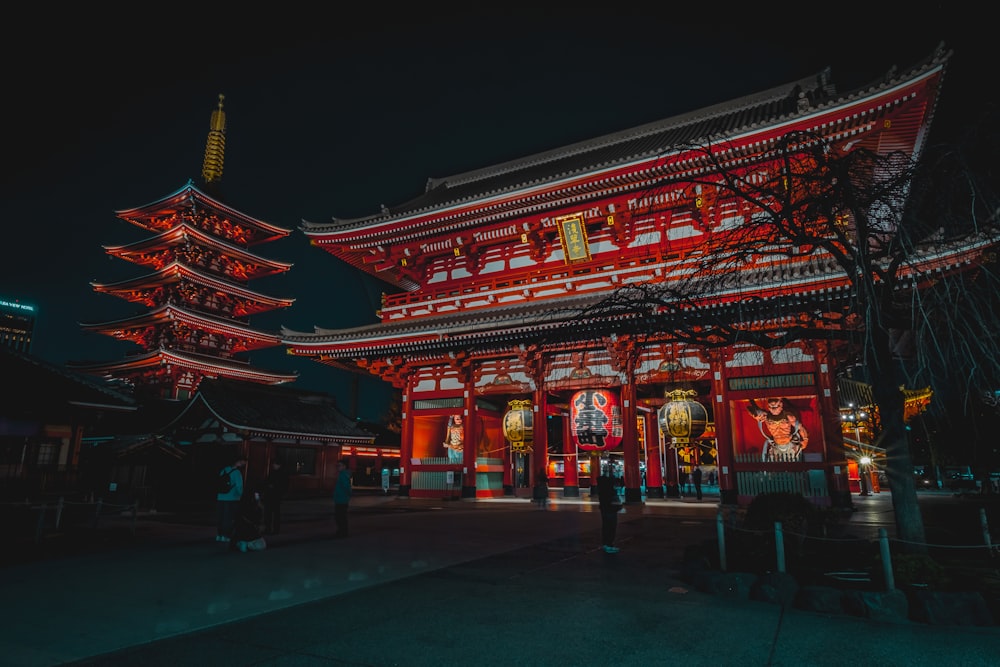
614	165
617	161
268	411
189	197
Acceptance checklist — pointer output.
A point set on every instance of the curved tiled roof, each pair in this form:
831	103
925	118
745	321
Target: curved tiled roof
191	360
813	280
788	101
189	196
167	312
259	408
43	389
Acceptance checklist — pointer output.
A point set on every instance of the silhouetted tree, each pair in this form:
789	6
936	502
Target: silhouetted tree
908	248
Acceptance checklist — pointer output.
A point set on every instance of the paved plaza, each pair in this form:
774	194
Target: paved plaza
471	582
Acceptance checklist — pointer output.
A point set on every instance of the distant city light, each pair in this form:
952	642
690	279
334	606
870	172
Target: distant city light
17	306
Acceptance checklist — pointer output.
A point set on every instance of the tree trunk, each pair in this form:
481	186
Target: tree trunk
899	464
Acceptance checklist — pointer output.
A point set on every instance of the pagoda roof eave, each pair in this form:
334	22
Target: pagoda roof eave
189	191
198	320
179	270
177	233
211	366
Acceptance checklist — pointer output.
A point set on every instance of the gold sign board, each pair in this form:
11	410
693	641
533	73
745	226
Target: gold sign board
573	236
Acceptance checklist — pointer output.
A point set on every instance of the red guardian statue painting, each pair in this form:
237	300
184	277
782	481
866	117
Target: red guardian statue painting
785	436
454	438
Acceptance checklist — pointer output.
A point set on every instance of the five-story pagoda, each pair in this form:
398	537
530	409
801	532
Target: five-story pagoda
197	296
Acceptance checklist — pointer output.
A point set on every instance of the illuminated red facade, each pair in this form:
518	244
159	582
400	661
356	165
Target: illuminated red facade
496	269
199	262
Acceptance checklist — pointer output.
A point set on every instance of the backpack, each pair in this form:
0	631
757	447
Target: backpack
225	481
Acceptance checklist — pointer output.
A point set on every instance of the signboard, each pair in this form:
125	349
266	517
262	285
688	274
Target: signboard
573	235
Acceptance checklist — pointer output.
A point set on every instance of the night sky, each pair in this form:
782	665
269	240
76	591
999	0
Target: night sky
334	114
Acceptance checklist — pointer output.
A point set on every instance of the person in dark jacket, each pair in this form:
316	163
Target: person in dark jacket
342	498
696	478
275	488
246	526
541	490
607	498
227	503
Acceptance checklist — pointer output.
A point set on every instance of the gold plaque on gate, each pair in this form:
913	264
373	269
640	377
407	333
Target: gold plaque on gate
573	236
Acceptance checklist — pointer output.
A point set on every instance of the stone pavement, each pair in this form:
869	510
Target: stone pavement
472	582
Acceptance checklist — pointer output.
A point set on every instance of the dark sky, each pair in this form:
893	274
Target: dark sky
336	113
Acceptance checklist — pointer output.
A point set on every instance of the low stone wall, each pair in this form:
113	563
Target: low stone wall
895	606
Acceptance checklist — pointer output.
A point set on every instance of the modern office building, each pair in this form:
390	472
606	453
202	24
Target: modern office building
17	324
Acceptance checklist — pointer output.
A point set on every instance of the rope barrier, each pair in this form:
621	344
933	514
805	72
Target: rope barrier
820	538
885	552
100	509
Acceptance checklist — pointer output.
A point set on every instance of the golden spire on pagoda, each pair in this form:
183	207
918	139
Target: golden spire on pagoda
215	148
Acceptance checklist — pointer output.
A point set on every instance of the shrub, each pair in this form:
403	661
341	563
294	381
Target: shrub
791	509
909	569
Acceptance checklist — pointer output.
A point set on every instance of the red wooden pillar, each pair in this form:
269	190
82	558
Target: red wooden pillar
540	447
833	436
508	471
654	450
671	476
571	467
595	471
406	443
723	431
630	445
472	427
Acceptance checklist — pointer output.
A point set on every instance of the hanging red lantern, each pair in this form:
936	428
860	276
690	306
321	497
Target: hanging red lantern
596	419
519	425
681	418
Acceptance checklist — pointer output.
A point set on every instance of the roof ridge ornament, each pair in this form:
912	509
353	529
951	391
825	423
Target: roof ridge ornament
215	146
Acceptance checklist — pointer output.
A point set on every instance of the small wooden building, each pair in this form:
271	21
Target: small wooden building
303	429
43	422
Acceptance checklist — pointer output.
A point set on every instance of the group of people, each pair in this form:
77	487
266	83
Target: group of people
243	519
695	478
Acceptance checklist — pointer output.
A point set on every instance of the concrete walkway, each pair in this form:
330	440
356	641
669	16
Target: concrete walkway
422	582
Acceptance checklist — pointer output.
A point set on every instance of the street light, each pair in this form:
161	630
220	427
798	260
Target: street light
855	417
865	461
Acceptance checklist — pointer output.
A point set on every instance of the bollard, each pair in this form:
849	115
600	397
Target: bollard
883	545
986	531
97	512
720	530
779	546
40	527
59	511
135	512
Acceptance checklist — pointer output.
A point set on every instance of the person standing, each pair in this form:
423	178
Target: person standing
607	499
227	502
275	488
541	490
696	478
246	530
341	499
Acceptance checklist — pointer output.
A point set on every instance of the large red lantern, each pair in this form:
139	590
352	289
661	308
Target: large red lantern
596	419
